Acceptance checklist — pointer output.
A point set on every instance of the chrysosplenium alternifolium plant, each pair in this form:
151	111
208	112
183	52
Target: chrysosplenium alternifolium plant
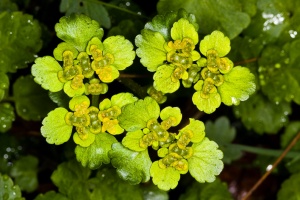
83	66
167	46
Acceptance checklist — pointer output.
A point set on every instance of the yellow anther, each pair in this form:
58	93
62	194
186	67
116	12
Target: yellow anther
184	139
166	124
188	152
105	74
81	109
82	132
68	58
110	125
180	165
77	82
177	74
96	53
224	65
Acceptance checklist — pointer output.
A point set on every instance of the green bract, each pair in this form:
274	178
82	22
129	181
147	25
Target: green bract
54	128
83	29
165	179
206	162
135	116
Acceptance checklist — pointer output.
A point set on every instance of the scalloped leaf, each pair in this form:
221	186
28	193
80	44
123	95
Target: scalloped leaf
184	29
108	74
31	101
151	49
279	72
78	30
290	188
208	105
109	186
205	164
25	171
151	192
73	92
216	190
78	100
163	81
132	166
92	9
171	112
164	22
97	153
61	48
289	134
121	49
225	16
8	190
4	84
132	140
165	179
72	180
45	72
16	53
122	99
217	41
223	134
197	127
238	85
50	196
258	112
89	139
54	128
135	116
7	116
60	98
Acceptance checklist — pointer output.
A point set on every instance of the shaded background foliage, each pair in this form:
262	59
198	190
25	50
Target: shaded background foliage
264	37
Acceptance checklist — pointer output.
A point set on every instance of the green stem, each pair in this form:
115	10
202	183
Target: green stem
136	88
95	100
117	7
263	151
